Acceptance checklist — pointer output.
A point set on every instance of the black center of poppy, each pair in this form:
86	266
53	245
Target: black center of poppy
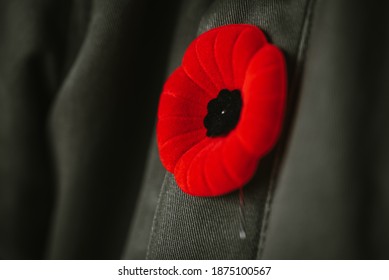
223	112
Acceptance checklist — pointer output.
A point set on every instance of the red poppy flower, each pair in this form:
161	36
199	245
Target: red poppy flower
221	110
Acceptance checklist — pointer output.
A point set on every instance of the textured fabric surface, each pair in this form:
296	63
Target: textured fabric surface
188	227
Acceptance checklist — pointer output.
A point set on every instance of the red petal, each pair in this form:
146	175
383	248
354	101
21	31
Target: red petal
172	105
197	182
240	164
172	150
228	167
250	40
182	87
168	129
218	178
264	97
224	45
182	167
196	72
205	47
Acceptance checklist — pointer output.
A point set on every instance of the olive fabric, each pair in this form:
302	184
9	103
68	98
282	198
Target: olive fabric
80	176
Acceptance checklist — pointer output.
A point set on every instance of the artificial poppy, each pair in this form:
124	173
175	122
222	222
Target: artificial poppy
221	110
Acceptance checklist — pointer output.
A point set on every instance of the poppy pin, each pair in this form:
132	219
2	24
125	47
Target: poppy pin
221	110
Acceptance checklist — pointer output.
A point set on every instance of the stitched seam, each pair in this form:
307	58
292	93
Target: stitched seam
155	219
301	52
